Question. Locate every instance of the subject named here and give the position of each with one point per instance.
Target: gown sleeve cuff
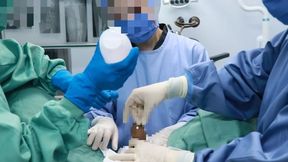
(69, 106)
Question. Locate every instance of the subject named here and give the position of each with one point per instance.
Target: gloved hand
(104, 129)
(161, 138)
(98, 76)
(104, 97)
(142, 100)
(147, 152)
(110, 76)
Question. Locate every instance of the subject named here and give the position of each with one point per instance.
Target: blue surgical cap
(278, 9)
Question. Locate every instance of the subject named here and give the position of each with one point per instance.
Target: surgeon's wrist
(81, 92)
(93, 83)
(177, 87)
(98, 118)
(62, 79)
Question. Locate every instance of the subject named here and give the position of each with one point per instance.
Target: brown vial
(138, 132)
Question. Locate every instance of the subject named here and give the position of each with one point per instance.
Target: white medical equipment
(264, 37)
(178, 3)
(114, 45)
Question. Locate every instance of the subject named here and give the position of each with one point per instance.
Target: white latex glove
(147, 152)
(104, 129)
(142, 100)
(161, 138)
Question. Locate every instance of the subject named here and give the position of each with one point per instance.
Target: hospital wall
(224, 26)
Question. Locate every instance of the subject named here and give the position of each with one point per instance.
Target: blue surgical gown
(254, 84)
(170, 60)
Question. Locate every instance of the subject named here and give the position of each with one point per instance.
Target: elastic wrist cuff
(177, 87)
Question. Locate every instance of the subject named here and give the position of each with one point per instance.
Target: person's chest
(275, 98)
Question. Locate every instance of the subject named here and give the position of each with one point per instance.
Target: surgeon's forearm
(61, 80)
(65, 117)
(63, 125)
(49, 136)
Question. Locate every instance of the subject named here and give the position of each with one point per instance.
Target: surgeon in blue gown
(254, 84)
(162, 55)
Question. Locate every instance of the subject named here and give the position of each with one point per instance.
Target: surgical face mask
(137, 18)
(139, 30)
(278, 9)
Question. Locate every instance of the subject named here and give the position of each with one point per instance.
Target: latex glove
(142, 100)
(98, 76)
(104, 129)
(62, 79)
(110, 76)
(147, 152)
(104, 97)
(161, 138)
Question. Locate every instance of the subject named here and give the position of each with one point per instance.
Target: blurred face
(126, 9)
(135, 17)
(131, 15)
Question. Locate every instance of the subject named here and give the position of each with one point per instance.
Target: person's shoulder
(282, 35)
(184, 40)
(182, 37)
(12, 43)
(280, 39)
